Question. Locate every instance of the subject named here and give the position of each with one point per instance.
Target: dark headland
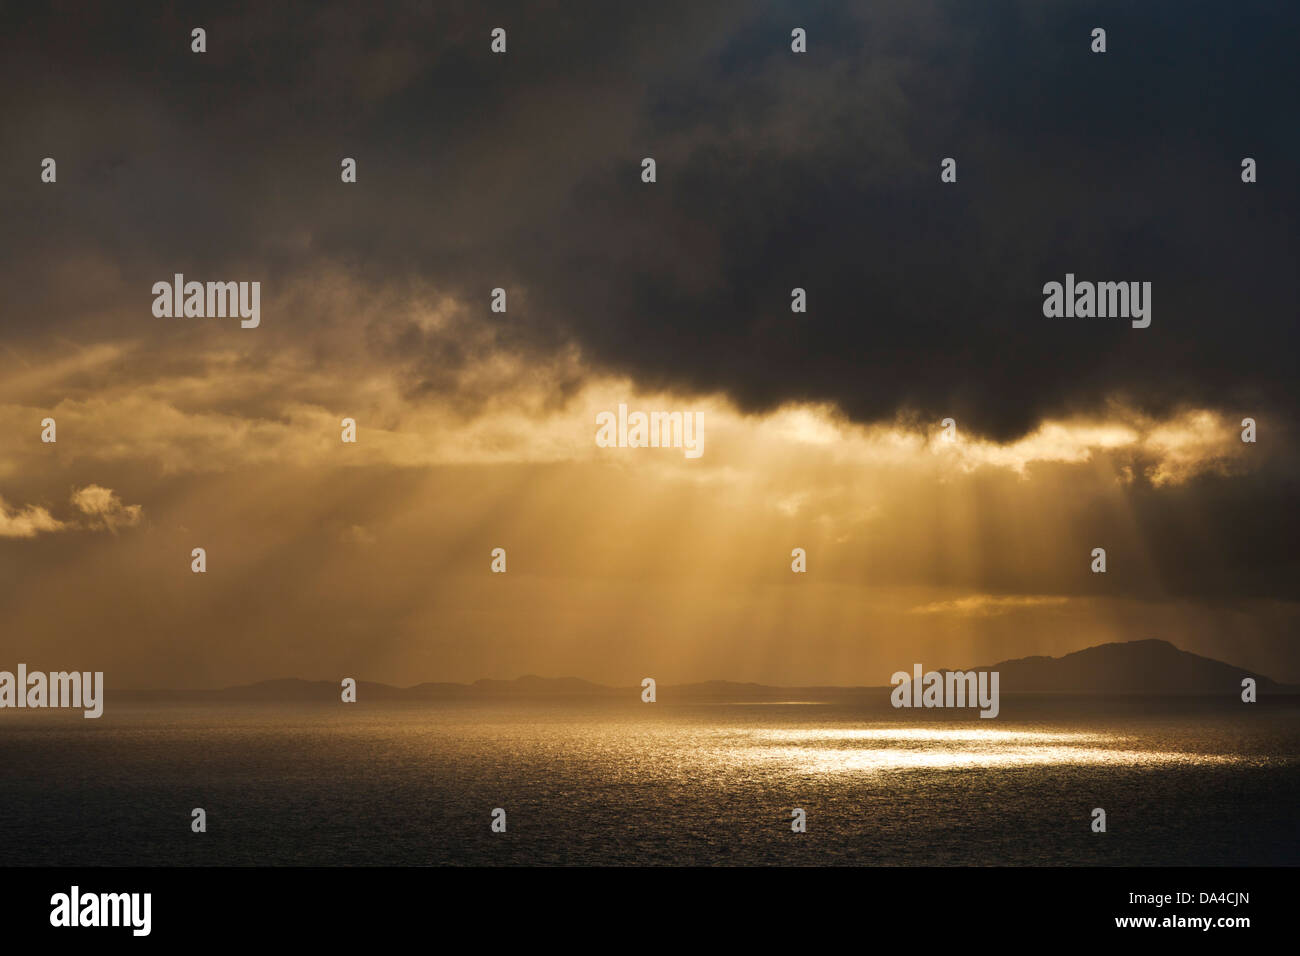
(1149, 667)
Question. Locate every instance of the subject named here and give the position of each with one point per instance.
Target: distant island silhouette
(1145, 667)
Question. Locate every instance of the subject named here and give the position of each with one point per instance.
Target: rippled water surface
(1182, 782)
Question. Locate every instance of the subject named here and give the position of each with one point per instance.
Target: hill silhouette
(1147, 667)
(1132, 667)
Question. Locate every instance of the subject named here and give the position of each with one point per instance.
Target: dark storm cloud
(775, 171)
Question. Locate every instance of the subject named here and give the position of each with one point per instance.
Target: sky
(476, 429)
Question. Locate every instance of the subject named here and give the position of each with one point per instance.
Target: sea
(1181, 781)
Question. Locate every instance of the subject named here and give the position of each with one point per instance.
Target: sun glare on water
(870, 750)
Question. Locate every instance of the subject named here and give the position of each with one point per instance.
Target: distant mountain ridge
(1148, 667)
(291, 689)
(1132, 667)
